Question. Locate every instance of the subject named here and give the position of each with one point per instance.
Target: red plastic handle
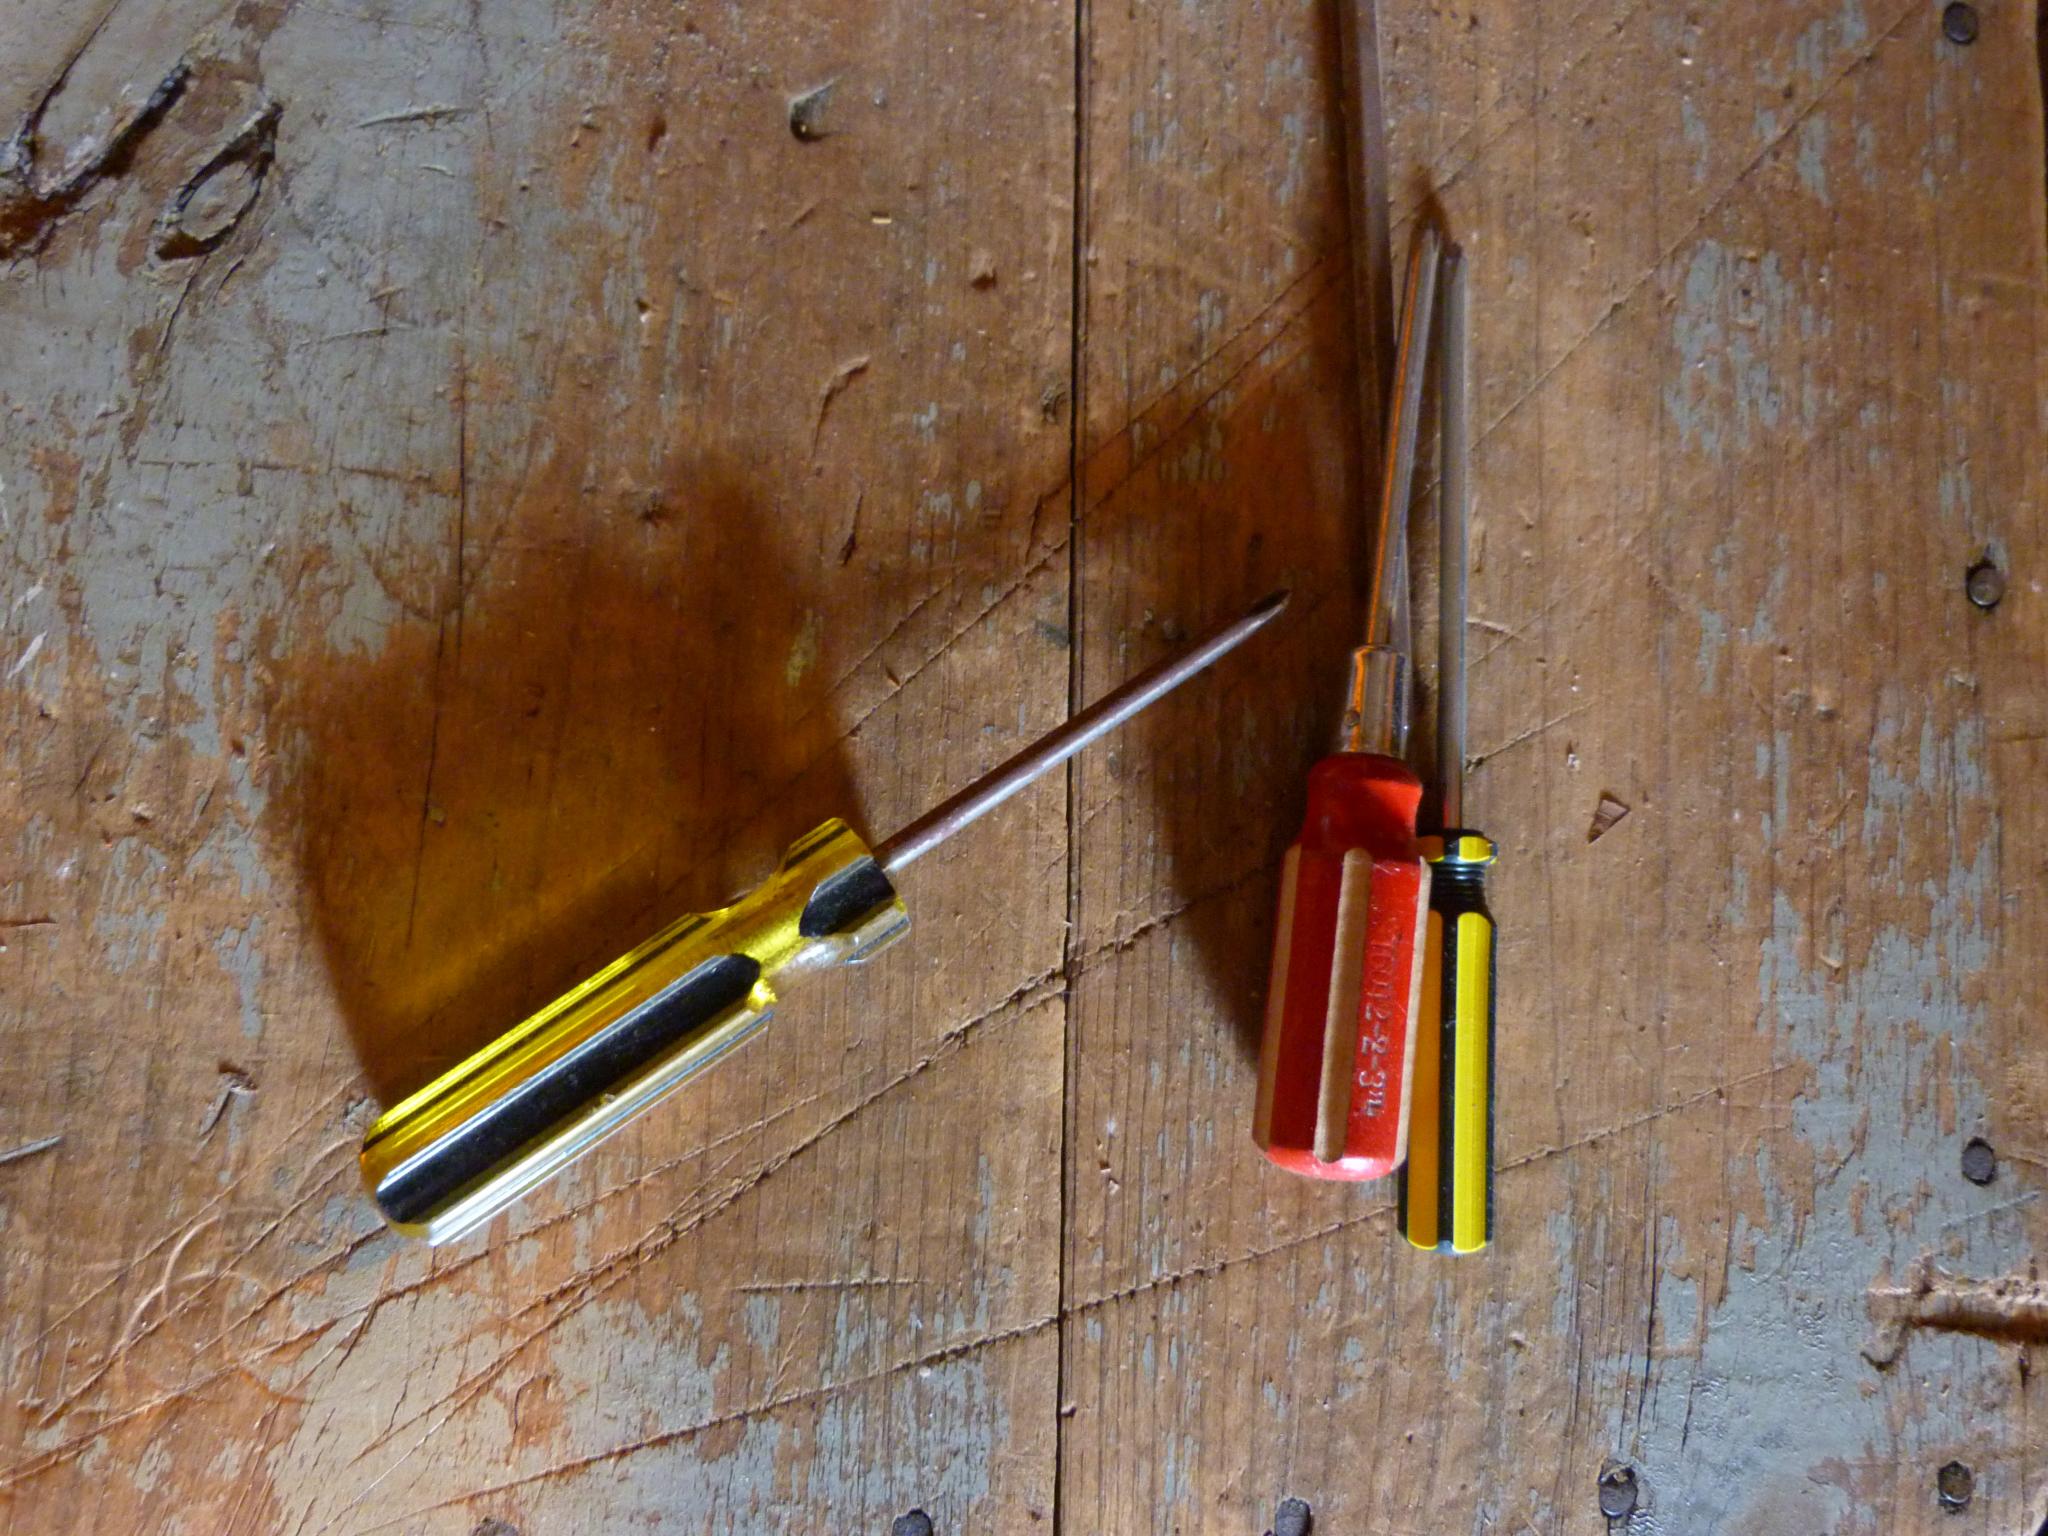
(1340, 1016)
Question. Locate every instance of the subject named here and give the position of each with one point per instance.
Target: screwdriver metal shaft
(1376, 718)
(1454, 512)
(454, 1154)
(1092, 723)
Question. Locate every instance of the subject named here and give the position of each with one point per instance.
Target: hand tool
(1446, 1189)
(485, 1132)
(1340, 1012)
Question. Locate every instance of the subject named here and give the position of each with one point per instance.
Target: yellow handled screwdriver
(451, 1156)
(1446, 1188)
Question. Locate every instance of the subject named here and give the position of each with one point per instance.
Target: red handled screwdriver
(1354, 891)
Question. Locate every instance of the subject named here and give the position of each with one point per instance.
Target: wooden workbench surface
(476, 479)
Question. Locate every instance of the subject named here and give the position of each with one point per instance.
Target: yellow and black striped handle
(1446, 1190)
(485, 1132)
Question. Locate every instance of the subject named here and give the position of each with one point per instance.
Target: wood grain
(1733, 275)
(562, 489)
(474, 481)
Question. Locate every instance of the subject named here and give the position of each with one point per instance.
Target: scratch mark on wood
(21, 663)
(920, 1363)
(419, 862)
(1529, 735)
(853, 526)
(1122, 941)
(1450, 168)
(162, 344)
(606, 1275)
(438, 112)
(1633, 1121)
(848, 1283)
(448, 1274)
(219, 1197)
(1030, 573)
(835, 386)
(1650, 269)
(1274, 323)
(361, 333)
(234, 1084)
(1598, 572)
(133, 1331)
(30, 1148)
(461, 597)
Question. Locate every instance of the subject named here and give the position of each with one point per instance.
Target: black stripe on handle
(435, 1176)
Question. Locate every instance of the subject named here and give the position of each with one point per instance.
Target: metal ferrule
(1376, 705)
(1458, 847)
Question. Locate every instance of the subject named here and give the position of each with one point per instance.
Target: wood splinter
(2012, 1308)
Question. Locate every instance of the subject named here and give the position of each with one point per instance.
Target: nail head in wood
(1980, 1161)
(1618, 1492)
(1954, 1484)
(1985, 584)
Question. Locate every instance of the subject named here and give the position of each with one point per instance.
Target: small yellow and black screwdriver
(1446, 1188)
(454, 1154)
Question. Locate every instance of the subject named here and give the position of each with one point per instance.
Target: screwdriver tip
(1270, 605)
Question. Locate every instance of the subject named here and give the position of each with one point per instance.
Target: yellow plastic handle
(454, 1154)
